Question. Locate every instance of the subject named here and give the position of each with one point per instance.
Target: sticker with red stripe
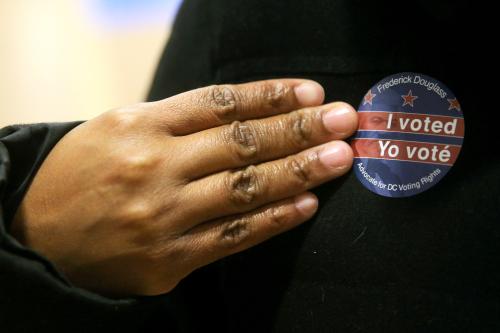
(410, 134)
(411, 123)
(422, 152)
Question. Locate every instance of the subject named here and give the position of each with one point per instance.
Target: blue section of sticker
(411, 130)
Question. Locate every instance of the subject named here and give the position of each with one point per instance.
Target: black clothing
(365, 263)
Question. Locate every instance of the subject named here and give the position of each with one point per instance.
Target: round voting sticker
(411, 129)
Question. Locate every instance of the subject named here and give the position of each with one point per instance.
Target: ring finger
(237, 191)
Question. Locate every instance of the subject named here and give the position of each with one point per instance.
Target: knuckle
(277, 217)
(137, 215)
(139, 211)
(244, 186)
(235, 232)
(124, 118)
(300, 169)
(242, 136)
(301, 127)
(275, 94)
(224, 99)
(133, 168)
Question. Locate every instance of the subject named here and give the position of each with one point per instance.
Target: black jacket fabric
(364, 263)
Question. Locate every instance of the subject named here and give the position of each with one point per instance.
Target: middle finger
(253, 141)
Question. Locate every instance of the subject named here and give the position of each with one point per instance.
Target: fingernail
(306, 203)
(309, 93)
(341, 119)
(336, 155)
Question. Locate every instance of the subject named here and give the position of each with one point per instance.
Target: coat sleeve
(34, 296)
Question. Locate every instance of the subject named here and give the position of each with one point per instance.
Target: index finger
(216, 105)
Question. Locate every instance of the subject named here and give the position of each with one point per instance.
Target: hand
(136, 199)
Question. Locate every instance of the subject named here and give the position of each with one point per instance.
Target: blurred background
(74, 59)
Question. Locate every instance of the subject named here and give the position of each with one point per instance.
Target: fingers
(258, 140)
(216, 105)
(217, 239)
(231, 192)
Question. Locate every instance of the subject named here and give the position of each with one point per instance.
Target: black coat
(366, 263)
